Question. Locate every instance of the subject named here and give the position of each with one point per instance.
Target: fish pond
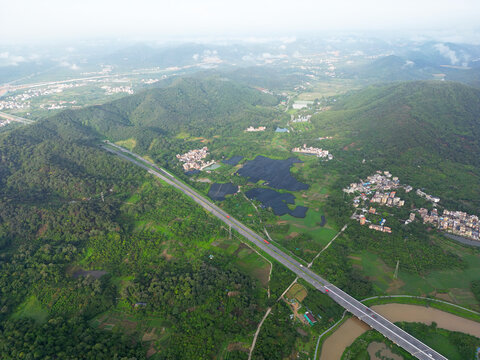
(275, 173)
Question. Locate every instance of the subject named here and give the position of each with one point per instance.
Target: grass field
(129, 143)
(326, 89)
(451, 285)
(31, 308)
(246, 259)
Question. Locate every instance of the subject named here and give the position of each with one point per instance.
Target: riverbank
(334, 346)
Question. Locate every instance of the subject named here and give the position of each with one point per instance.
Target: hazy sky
(33, 20)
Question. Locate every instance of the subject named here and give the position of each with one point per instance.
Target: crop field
(298, 292)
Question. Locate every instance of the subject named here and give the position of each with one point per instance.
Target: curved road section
(364, 313)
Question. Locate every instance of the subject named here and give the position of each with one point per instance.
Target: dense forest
(66, 204)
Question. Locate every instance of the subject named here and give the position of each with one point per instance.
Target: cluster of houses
(22, 100)
(4, 122)
(387, 198)
(381, 181)
(301, 104)
(378, 188)
(301, 118)
(363, 220)
(431, 198)
(193, 160)
(380, 228)
(456, 222)
(318, 152)
(252, 129)
(109, 90)
(381, 185)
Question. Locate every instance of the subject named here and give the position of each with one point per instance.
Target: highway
(373, 319)
(16, 118)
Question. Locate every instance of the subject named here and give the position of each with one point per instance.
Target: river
(345, 335)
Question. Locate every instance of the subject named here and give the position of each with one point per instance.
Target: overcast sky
(34, 20)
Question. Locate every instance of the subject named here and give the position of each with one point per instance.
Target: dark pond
(218, 191)
(277, 201)
(323, 222)
(463, 240)
(234, 160)
(192, 172)
(275, 173)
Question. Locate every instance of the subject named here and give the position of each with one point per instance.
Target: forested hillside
(201, 106)
(68, 207)
(426, 132)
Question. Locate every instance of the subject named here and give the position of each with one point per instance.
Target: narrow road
(326, 246)
(367, 315)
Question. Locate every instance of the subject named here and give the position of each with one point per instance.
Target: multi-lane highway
(16, 118)
(376, 321)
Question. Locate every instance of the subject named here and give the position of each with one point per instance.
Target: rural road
(367, 315)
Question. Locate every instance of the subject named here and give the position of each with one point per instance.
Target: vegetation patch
(33, 309)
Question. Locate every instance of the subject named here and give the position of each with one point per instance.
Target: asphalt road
(16, 118)
(376, 321)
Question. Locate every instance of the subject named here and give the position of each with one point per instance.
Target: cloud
(7, 59)
(408, 63)
(448, 53)
(69, 65)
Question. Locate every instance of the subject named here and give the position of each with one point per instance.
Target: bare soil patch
(151, 350)
(166, 255)
(149, 336)
(292, 235)
(238, 346)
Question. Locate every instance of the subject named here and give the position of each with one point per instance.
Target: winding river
(345, 335)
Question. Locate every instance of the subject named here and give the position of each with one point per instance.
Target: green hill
(66, 204)
(201, 106)
(426, 132)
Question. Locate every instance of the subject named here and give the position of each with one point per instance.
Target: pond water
(234, 160)
(277, 201)
(275, 173)
(219, 191)
(94, 273)
(463, 240)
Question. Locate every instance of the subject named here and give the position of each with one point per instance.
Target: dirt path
(326, 246)
(257, 332)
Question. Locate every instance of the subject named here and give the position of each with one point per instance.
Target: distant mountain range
(428, 61)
